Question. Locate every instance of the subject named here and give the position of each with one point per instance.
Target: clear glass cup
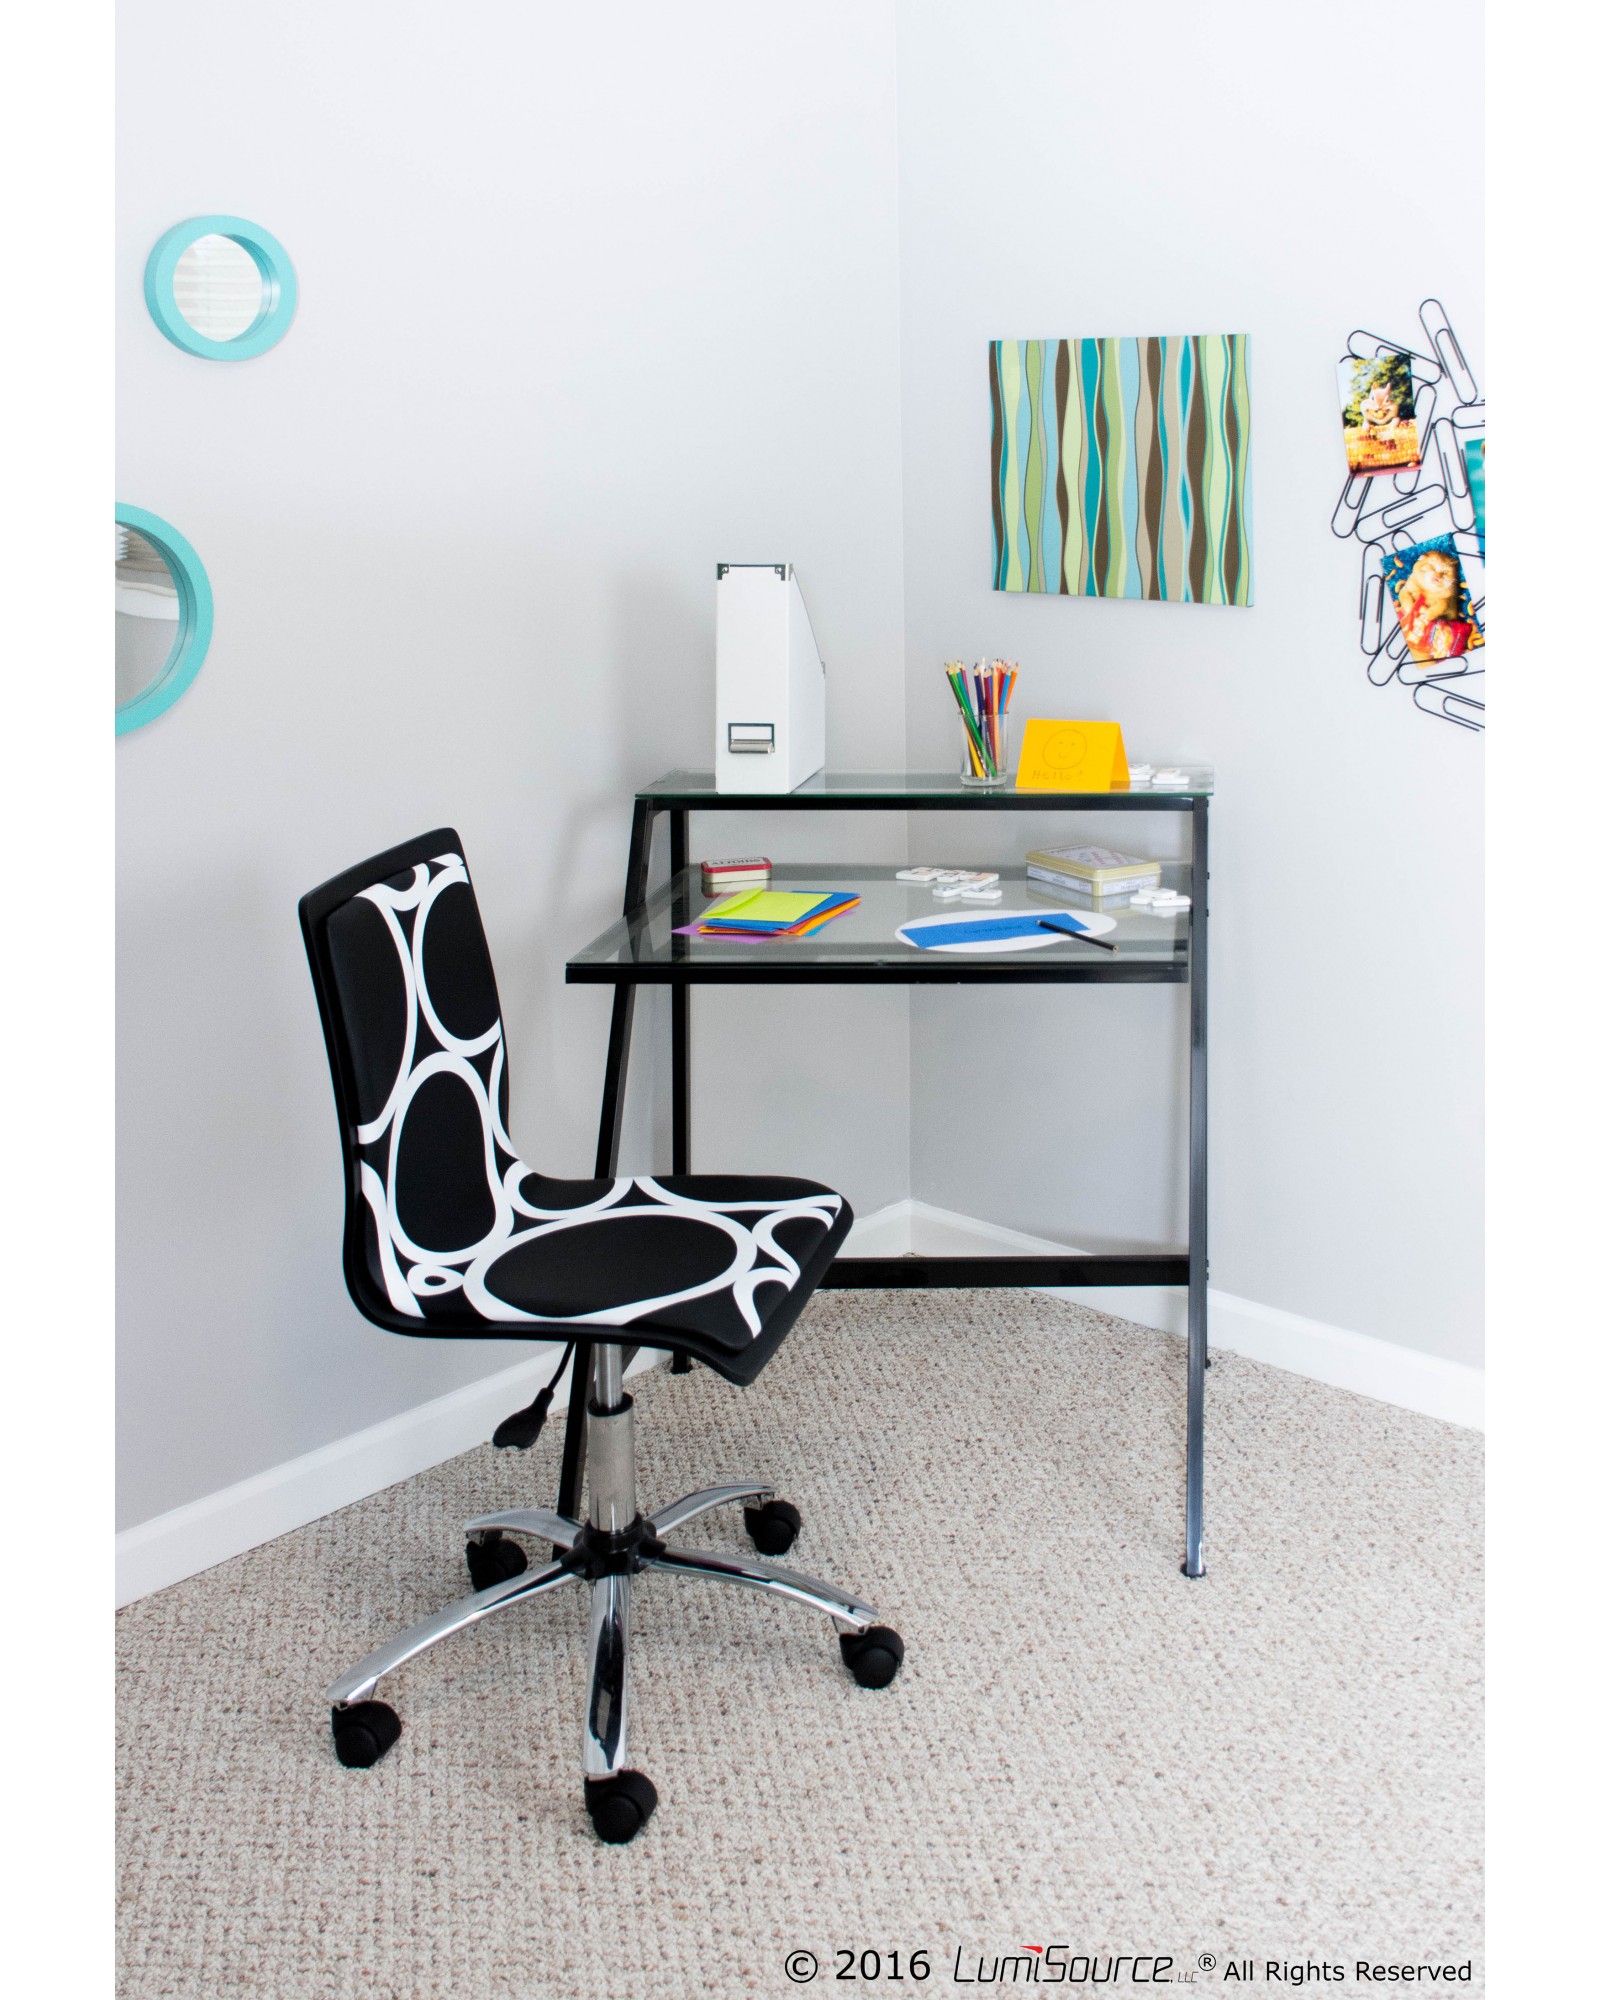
(985, 760)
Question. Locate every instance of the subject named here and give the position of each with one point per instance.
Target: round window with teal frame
(220, 287)
(163, 616)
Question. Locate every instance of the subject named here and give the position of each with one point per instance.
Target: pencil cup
(985, 757)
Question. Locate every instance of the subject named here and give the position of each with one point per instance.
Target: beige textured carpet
(1083, 1748)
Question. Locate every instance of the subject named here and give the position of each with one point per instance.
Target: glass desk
(643, 948)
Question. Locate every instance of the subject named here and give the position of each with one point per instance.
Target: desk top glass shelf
(861, 947)
(908, 790)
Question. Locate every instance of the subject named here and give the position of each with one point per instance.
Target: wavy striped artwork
(1121, 468)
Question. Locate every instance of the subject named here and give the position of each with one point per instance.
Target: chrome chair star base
(607, 1551)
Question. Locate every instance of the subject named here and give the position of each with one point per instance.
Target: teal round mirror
(220, 287)
(163, 616)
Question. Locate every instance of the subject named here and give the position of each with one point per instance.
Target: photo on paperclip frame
(1381, 432)
(1472, 454)
(1431, 601)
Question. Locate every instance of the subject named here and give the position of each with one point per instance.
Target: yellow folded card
(766, 906)
(1071, 757)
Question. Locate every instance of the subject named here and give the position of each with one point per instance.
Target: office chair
(449, 1235)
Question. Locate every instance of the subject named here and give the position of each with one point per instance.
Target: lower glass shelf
(860, 948)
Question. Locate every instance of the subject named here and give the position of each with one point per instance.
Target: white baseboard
(208, 1531)
(1381, 1368)
(887, 1232)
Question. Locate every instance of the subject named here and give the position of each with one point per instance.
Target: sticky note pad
(765, 909)
(1071, 757)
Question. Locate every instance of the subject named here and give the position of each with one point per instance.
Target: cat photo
(1431, 601)
(1380, 414)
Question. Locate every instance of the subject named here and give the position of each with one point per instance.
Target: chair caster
(772, 1526)
(620, 1805)
(363, 1732)
(873, 1656)
(494, 1559)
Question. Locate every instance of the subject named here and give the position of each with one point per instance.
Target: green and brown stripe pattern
(1121, 468)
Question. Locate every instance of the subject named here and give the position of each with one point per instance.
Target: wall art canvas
(1121, 468)
(1381, 432)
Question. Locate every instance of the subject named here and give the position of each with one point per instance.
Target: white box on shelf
(770, 681)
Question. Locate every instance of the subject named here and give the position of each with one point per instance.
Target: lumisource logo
(1059, 1965)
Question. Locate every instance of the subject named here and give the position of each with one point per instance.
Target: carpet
(1083, 1750)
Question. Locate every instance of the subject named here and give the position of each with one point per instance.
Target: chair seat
(714, 1266)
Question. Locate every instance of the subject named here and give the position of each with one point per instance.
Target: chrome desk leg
(665, 1519)
(540, 1521)
(364, 1677)
(605, 1727)
(851, 1613)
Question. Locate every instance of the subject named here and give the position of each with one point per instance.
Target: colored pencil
(958, 686)
(982, 700)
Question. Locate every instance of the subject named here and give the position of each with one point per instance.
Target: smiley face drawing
(1064, 749)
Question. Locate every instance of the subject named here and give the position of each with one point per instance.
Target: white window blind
(145, 588)
(217, 286)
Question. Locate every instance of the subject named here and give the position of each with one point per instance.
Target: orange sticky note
(1071, 757)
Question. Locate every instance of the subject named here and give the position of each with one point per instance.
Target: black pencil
(1083, 937)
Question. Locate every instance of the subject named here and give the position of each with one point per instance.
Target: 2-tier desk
(643, 949)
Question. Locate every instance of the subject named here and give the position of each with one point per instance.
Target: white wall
(589, 300)
(1074, 170)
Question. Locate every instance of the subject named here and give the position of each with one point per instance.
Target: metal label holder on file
(751, 739)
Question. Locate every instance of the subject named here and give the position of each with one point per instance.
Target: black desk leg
(678, 847)
(574, 1450)
(1194, 1562)
(679, 834)
(616, 1083)
(680, 1079)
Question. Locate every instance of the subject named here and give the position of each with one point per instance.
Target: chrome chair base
(610, 1551)
(849, 1613)
(579, 1551)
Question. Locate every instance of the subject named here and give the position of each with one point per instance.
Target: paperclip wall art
(1121, 468)
(1421, 527)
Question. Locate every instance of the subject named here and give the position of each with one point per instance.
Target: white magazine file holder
(770, 681)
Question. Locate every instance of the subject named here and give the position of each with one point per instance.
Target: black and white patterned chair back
(447, 1230)
(421, 1018)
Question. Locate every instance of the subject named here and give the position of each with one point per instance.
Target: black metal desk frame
(904, 967)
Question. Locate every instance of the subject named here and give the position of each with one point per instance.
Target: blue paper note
(966, 930)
